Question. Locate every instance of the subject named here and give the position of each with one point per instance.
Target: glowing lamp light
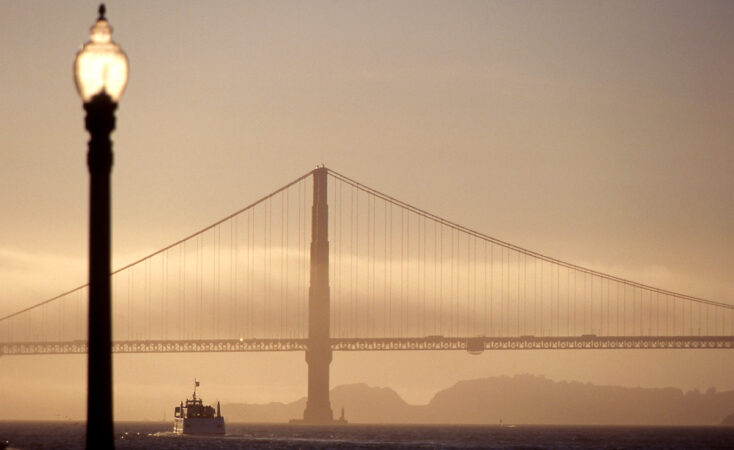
(100, 65)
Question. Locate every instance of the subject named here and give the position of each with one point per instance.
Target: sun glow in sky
(595, 132)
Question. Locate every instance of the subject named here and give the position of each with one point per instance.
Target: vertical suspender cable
(283, 305)
(385, 321)
(485, 299)
(436, 312)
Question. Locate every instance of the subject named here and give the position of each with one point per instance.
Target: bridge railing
(473, 345)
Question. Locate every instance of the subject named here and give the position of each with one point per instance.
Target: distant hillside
(728, 421)
(536, 400)
(258, 413)
(362, 404)
(366, 404)
(522, 399)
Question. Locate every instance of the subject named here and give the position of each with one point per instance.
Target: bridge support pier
(318, 406)
(318, 356)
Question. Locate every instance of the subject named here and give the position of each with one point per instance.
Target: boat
(193, 417)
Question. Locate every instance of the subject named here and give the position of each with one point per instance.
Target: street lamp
(100, 74)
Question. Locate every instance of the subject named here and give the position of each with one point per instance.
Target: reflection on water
(142, 435)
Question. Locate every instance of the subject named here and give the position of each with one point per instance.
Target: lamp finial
(102, 11)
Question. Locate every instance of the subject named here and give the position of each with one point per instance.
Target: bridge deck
(471, 344)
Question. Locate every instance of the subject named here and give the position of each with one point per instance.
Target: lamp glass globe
(100, 65)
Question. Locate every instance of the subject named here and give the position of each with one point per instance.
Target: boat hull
(199, 425)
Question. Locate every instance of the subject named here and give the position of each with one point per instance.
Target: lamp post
(100, 74)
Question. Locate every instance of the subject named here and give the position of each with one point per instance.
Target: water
(157, 435)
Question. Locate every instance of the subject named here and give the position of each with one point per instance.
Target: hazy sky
(599, 133)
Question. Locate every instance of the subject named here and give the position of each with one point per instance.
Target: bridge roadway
(470, 344)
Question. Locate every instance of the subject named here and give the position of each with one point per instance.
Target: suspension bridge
(326, 264)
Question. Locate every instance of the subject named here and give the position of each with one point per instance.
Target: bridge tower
(318, 354)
